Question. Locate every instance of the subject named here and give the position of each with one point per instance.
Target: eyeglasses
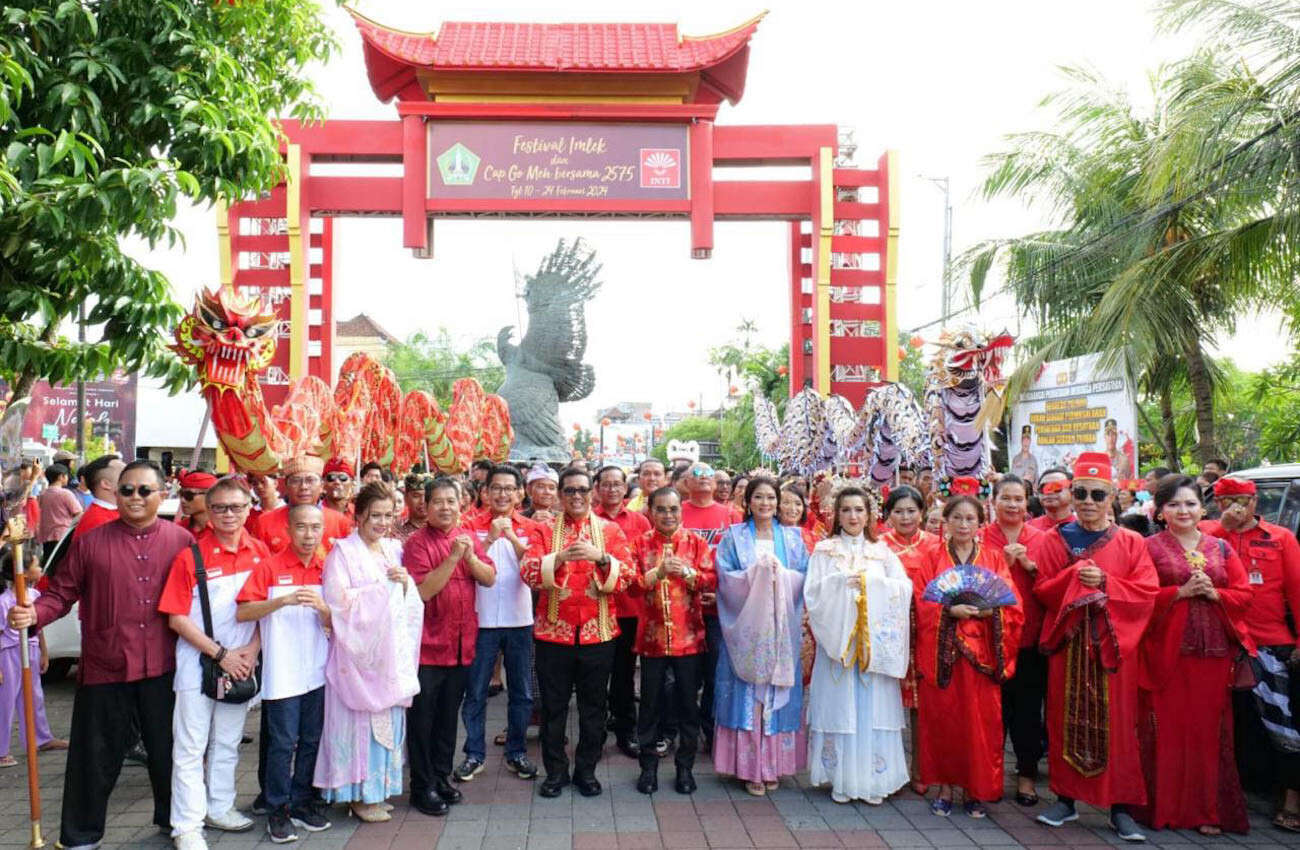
(1083, 493)
(302, 480)
(1225, 502)
(611, 485)
(576, 491)
(1048, 487)
(502, 488)
(336, 477)
(191, 494)
(144, 490)
(231, 508)
(702, 472)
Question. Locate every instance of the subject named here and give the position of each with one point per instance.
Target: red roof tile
(555, 47)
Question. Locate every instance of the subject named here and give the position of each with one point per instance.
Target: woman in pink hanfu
(370, 676)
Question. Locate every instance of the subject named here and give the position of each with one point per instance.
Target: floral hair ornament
(841, 483)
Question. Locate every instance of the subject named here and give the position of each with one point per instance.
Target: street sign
(49, 431)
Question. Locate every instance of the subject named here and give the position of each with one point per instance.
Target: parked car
(63, 636)
(1279, 493)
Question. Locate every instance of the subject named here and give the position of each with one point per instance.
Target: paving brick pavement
(500, 812)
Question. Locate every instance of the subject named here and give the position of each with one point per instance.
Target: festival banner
(110, 407)
(1074, 406)
(556, 161)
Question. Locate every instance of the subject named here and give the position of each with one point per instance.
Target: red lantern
(647, 416)
(783, 370)
(916, 342)
(604, 423)
(902, 353)
(733, 390)
(577, 427)
(691, 405)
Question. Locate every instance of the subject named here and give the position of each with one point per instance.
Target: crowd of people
(780, 624)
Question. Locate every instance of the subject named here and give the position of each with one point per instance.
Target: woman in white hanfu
(858, 597)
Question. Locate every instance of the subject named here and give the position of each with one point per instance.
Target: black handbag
(217, 684)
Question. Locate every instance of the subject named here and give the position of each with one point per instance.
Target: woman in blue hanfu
(758, 696)
(858, 597)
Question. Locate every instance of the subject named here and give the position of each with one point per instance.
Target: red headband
(1234, 487)
(197, 480)
(338, 465)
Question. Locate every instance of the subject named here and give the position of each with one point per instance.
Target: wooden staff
(14, 533)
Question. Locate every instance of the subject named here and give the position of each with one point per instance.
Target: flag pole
(14, 533)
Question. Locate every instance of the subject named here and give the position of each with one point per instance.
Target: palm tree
(1145, 266)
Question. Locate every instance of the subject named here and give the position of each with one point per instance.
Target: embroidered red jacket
(672, 622)
(575, 599)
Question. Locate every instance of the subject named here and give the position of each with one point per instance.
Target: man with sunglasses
(1271, 557)
(611, 489)
(1098, 587)
(128, 652)
(337, 491)
(1054, 496)
(578, 564)
(194, 505)
(302, 486)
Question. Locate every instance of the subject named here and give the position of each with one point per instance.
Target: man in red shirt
(707, 518)
(204, 727)
(128, 652)
(674, 568)
(611, 490)
(302, 483)
(1271, 557)
(194, 502)
(101, 476)
(284, 594)
(578, 566)
(447, 563)
(1054, 496)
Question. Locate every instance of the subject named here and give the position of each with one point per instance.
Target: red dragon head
(229, 335)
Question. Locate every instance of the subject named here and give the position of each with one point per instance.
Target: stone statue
(546, 368)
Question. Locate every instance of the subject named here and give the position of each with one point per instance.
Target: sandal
(1209, 829)
(1290, 821)
(758, 789)
(369, 813)
(772, 786)
(53, 744)
(941, 807)
(8, 761)
(975, 809)
(1026, 799)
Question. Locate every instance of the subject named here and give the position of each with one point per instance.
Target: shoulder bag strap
(201, 579)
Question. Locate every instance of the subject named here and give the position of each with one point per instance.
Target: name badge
(1256, 577)
(285, 579)
(215, 572)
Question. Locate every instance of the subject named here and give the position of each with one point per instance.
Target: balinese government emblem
(458, 166)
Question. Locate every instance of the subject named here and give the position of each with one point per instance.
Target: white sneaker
(191, 841)
(231, 821)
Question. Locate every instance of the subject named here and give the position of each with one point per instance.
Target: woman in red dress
(1195, 641)
(963, 655)
(903, 512)
(1023, 695)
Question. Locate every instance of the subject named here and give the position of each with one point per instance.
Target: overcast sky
(939, 81)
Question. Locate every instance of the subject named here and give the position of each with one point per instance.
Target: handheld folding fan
(968, 584)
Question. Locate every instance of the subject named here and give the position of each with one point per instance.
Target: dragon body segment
(229, 338)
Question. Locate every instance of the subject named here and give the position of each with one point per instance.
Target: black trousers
(101, 732)
(713, 636)
(654, 675)
(1264, 768)
(431, 724)
(1022, 710)
(622, 690)
(562, 670)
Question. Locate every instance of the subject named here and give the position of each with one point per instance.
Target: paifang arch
(577, 120)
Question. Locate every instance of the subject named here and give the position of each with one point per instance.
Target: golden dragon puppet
(230, 338)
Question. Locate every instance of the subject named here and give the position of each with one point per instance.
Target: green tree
(433, 363)
(751, 368)
(911, 366)
(111, 113)
(1138, 267)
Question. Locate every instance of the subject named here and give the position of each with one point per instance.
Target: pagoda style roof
(394, 57)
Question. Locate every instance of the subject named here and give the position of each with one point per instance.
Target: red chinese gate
(577, 120)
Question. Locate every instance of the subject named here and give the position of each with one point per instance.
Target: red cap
(198, 480)
(1092, 465)
(1234, 487)
(338, 464)
(964, 485)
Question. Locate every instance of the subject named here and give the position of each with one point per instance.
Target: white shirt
(508, 603)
